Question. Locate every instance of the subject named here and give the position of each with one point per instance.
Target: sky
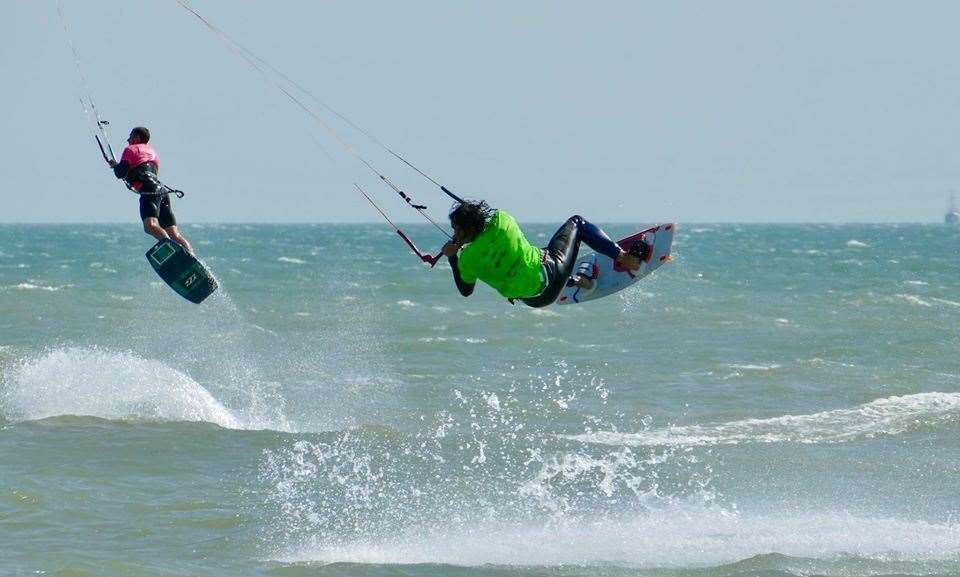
(622, 111)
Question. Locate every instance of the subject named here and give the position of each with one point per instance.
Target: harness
(145, 175)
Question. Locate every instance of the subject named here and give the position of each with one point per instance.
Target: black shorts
(157, 207)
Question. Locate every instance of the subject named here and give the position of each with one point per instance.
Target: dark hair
(142, 133)
(471, 216)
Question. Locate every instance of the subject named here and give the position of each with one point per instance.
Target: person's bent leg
(149, 214)
(169, 223)
(562, 253)
(152, 227)
(174, 233)
(594, 237)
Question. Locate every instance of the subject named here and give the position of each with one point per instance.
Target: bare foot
(628, 261)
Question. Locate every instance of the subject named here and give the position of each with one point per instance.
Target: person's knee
(151, 228)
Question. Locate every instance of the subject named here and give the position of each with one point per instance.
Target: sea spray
(483, 466)
(106, 384)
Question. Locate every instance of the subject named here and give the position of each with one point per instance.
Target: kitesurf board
(611, 277)
(181, 270)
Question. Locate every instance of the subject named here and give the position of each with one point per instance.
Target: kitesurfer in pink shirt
(138, 168)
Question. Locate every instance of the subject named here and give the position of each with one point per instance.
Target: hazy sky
(621, 111)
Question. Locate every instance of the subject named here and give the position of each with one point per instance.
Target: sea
(780, 400)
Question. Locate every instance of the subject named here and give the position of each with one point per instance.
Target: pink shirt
(136, 154)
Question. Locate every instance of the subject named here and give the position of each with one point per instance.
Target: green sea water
(780, 400)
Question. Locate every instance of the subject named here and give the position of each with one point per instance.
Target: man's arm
(465, 288)
(450, 250)
(121, 169)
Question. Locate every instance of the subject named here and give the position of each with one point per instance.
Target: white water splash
(105, 384)
(673, 537)
(889, 416)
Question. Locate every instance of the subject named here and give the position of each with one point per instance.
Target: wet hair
(142, 133)
(471, 216)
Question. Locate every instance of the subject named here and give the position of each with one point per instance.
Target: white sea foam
(674, 537)
(291, 260)
(30, 286)
(945, 302)
(888, 416)
(469, 340)
(757, 367)
(854, 243)
(544, 312)
(406, 303)
(913, 299)
(106, 384)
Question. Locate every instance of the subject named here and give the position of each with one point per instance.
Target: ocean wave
(888, 416)
(291, 260)
(106, 384)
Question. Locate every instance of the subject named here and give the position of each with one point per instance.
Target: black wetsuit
(560, 255)
(154, 195)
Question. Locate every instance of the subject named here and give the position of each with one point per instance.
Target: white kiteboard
(609, 277)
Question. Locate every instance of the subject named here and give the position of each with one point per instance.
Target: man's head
(469, 218)
(139, 135)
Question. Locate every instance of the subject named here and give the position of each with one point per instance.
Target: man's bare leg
(174, 233)
(151, 226)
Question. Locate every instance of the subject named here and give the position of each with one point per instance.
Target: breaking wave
(106, 384)
(888, 416)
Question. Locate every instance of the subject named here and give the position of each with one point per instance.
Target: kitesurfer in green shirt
(488, 245)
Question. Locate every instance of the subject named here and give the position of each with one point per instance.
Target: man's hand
(450, 249)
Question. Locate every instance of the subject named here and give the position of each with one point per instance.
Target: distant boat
(953, 215)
